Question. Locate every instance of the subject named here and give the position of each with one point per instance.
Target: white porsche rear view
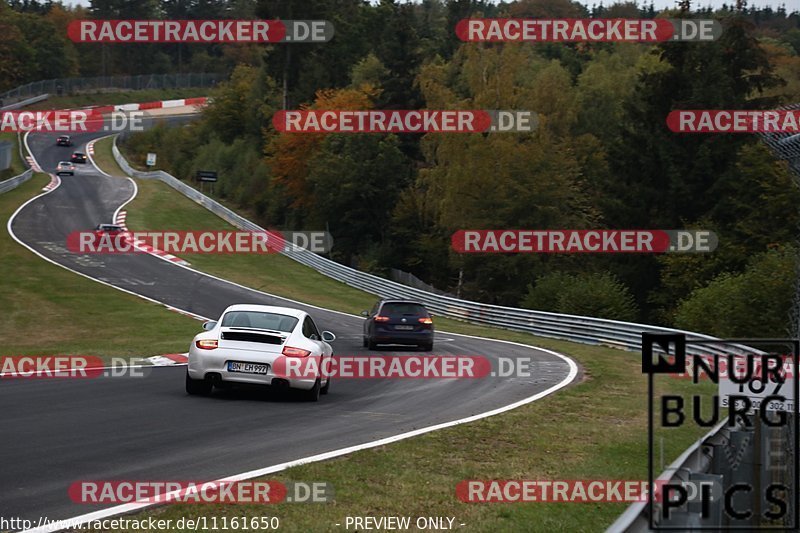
(243, 345)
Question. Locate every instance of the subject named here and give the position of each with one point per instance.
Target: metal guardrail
(6, 154)
(133, 83)
(635, 519)
(23, 103)
(752, 454)
(16, 181)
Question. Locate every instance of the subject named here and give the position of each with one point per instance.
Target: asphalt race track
(59, 431)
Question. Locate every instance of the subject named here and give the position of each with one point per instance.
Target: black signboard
(206, 175)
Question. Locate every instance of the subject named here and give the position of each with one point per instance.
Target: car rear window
(402, 308)
(259, 320)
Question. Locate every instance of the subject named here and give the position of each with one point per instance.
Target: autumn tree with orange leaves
(288, 154)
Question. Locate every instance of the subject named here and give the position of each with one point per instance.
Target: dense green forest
(602, 156)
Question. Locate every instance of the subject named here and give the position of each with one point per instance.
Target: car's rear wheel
(327, 387)
(312, 395)
(371, 344)
(427, 347)
(197, 387)
(364, 342)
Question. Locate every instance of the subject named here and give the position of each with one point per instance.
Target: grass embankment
(104, 157)
(49, 310)
(593, 430)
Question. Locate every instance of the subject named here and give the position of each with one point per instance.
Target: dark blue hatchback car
(398, 322)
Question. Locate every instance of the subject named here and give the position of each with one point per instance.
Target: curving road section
(149, 429)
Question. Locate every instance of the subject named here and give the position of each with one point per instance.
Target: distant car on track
(243, 345)
(78, 157)
(111, 229)
(398, 322)
(64, 140)
(65, 167)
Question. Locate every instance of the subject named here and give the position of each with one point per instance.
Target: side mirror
(364, 313)
(327, 336)
(208, 326)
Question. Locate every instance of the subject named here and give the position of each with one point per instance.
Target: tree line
(601, 157)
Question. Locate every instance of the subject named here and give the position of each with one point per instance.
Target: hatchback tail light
(426, 320)
(380, 318)
(288, 351)
(207, 344)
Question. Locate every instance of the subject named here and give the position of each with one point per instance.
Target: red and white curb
(55, 181)
(121, 216)
(169, 359)
(143, 106)
(140, 245)
(187, 313)
(32, 164)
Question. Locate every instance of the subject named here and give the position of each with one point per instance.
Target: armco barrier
(16, 181)
(27, 102)
(587, 330)
(134, 83)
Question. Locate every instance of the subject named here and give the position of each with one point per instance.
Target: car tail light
(207, 344)
(426, 320)
(288, 351)
(380, 318)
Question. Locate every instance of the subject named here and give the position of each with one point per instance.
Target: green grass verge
(17, 167)
(49, 310)
(104, 157)
(118, 97)
(593, 430)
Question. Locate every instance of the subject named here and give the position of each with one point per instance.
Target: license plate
(247, 368)
(404, 327)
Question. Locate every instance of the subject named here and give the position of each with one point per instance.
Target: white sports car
(243, 345)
